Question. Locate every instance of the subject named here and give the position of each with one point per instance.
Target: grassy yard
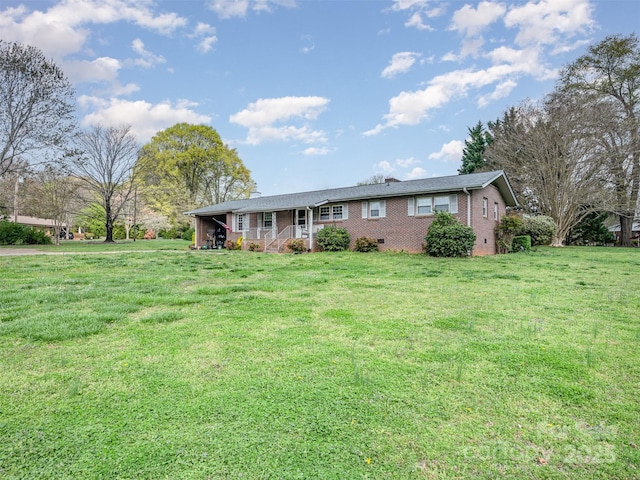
(180, 365)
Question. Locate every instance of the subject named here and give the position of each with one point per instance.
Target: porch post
(310, 228)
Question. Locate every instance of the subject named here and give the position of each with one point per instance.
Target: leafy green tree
(474, 148)
(188, 166)
(608, 78)
(36, 106)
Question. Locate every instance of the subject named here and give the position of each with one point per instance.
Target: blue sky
(315, 94)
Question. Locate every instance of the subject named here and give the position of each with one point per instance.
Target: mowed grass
(209, 365)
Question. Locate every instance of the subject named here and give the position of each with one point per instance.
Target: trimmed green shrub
(521, 243)
(540, 228)
(447, 237)
(296, 245)
(254, 247)
(33, 236)
(366, 244)
(188, 234)
(509, 226)
(16, 234)
(333, 239)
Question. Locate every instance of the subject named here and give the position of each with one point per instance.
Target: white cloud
(262, 116)
(312, 151)
(406, 162)
(415, 21)
(102, 69)
(308, 46)
(449, 152)
(206, 34)
(410, 108)
(146, 119)
(386, 167)
(146, 59)
(400, 5)
(240, 8)
(418, 9)
(471, 22)
(400, 63)
(417, 172)
(59, 31)
(548, 22)
(502, 90)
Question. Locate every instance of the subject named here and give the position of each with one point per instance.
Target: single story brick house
(395, 213)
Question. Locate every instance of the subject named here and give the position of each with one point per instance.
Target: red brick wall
(399, 231)
(485, 227)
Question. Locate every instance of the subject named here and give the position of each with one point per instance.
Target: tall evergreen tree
(473, 153)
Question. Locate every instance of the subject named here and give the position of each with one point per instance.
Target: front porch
(260, 231)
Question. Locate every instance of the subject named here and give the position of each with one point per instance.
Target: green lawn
(215, 365)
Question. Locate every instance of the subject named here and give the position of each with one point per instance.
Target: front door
(301, 222)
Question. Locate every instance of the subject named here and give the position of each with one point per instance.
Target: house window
(423, 205)
(241, 221)
(442, 204)
(495, 211)
(485, 207)
(327, 213)
(267, 220)
(377, 209)
(374, 209)
(302, 217)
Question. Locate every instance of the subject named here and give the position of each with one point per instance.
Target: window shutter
(411, 207)
(365, 209)
(383, 208)
(274, 226)
(259, 219)
(453, 203)
(246, 221)
(345, 211)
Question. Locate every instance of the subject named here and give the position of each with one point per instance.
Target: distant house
(635, 230)
(395, 213)
(45, 224)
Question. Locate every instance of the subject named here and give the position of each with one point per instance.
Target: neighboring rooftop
(453, 183)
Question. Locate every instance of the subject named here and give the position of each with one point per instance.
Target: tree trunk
(626, 226)
(109, 225)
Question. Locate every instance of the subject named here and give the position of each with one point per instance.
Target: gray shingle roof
(453, 183)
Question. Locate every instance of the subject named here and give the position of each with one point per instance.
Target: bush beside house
(447, 237)
(333, 239)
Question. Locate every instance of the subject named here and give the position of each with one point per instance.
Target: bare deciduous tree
(53, 195)
(545, 151)
(608, 76)
(105, 163)
(36, 106)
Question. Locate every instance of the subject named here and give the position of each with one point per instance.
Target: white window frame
(495, 211)
(331, 215)
(485, 207)
(374, 208)
(267, 217)
(428, 205)
(242, 222)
